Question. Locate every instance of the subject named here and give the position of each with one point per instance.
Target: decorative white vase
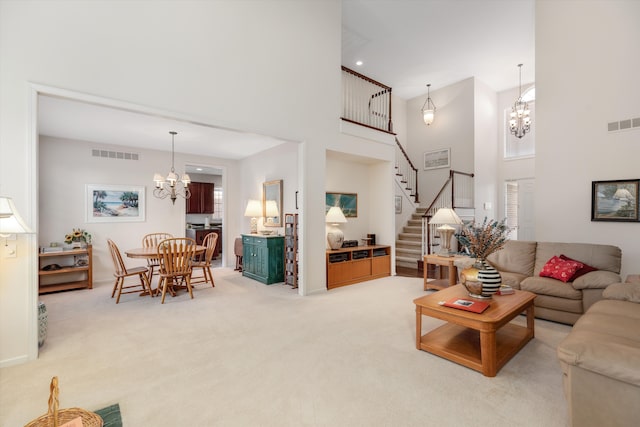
(490, 278)
(335, 237)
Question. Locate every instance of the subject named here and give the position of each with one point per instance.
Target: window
(218, 203)
(511, 207)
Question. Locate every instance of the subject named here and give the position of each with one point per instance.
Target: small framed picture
(614, 200)
(437, 159)
(398, 204)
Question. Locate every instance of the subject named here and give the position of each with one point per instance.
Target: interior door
(519, 207)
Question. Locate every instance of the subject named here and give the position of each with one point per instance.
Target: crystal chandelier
(171, 186)
(520, 122)
(428, 109)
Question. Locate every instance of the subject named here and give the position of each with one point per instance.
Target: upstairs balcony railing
(365, 101)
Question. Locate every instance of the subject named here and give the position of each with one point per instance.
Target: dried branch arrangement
(485, 239)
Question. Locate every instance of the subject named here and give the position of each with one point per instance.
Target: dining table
(152, 252)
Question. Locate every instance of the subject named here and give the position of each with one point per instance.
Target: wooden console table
(347, 266)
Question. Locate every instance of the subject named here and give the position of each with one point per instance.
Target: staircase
(409, 242)
(415, 241)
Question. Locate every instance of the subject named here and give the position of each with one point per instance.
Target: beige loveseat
(520, 263)
(600, 360)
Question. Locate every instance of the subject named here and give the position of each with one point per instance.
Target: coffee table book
(467, 305)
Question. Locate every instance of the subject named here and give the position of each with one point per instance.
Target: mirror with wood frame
(272, 203)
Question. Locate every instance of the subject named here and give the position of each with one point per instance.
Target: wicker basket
(55, 417)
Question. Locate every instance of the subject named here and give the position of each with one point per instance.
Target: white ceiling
(404, 44)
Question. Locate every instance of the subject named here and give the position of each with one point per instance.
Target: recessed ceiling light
(199, 169)
(358, 63)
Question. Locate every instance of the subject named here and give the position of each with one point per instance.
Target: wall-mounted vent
(107, 154)
(625, 124)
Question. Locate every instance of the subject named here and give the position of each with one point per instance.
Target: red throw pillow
(581, 272)
(560, 269)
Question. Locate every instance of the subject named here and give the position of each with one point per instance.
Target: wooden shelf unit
(62, 258)
(347, 266)
(291, 249)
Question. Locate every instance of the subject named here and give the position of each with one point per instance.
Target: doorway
(210, 179)
(519, 208)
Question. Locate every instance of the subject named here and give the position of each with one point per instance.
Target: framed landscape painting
(437, 159)
(348, 202)
(114, 203)
(614, 200)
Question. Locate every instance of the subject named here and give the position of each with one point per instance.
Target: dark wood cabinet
(201, 200)
(199, 234)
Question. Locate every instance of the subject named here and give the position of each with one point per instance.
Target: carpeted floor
(247, 354)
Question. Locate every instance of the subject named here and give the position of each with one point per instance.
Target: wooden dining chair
(176, 259)
(204, 263)
(151, 241)
(122, 272)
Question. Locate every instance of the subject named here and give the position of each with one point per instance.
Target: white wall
(485, 149)
(215, 62)
(67, 166)
(453, 128)
(586, 75)
(512, 169)
(278, 163)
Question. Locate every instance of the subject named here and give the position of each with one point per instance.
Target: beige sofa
(600, 360)
(520, 263)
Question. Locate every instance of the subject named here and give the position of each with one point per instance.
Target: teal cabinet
(263, 258)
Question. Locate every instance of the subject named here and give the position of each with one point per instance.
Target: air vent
(119, 155)
(625, 124)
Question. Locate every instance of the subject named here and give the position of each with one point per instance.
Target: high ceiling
(404, 44)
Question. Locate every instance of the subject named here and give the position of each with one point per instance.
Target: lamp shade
(335, 216)
(10, 220)
(445, 216)
(428, 116)
(271, 208)
(254, 208)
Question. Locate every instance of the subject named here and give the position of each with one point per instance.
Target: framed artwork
(437, 159)
(398, 204)
(348, 202)
(114, 203)
(614, 200)
(272, 203)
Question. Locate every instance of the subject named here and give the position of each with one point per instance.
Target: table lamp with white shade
(335, 236)
(445, 217)
(10, 223)
(254, 210)
(270, 211)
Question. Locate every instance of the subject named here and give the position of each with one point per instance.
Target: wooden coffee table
(484, 342)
